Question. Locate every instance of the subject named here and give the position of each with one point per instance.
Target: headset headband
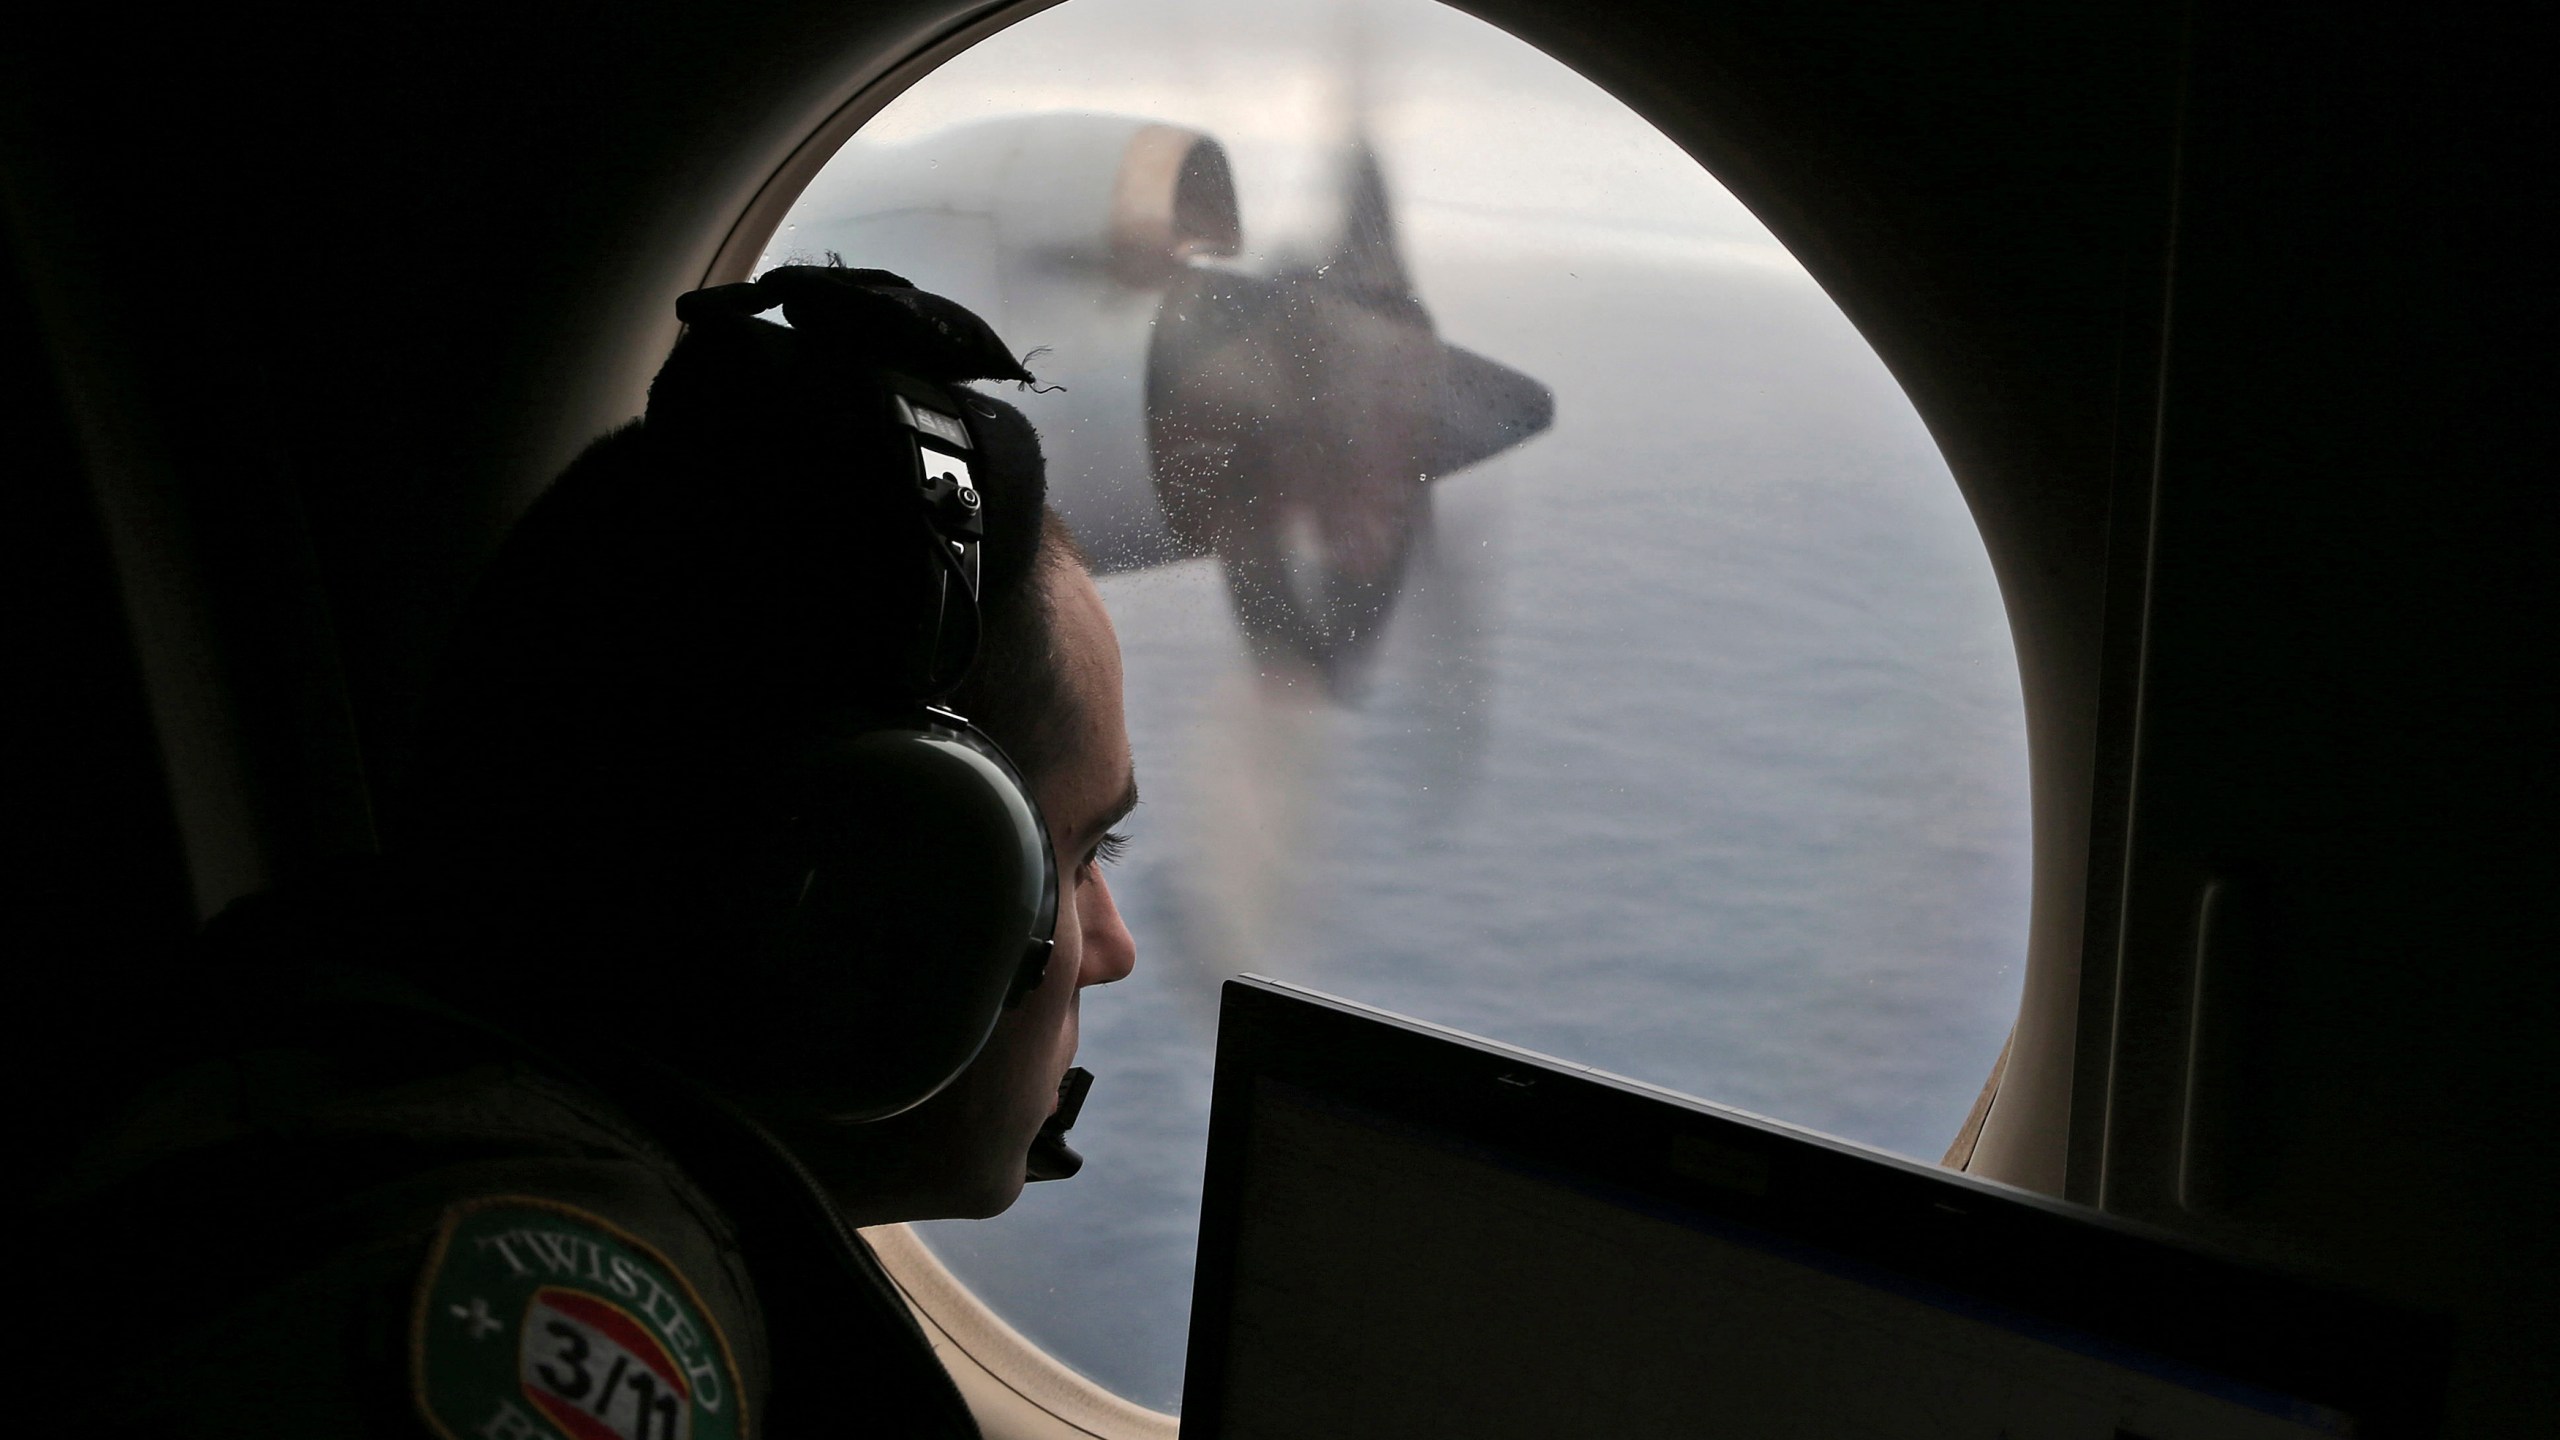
(918, 343)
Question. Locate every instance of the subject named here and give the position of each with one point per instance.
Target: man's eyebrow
(1119, 810)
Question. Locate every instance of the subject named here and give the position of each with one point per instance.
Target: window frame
(2018, 1130)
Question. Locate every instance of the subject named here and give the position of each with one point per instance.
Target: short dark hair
(1017, 690)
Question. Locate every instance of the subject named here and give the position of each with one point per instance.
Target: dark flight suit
(345, 1209)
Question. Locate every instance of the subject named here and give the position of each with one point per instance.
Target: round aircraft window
(1543, 614)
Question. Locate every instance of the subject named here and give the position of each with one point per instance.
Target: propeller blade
(1365, 256)
(1485, 408)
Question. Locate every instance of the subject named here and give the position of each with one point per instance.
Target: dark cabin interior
(2223, 315)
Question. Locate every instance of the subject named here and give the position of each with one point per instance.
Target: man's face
(962, 1152)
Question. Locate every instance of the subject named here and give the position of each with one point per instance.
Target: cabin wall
(333, 291)
(98, 866)
(2331, 1041)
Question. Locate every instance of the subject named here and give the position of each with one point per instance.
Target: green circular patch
(539, 1321)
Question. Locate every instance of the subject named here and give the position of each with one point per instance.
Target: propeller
(1299, 420)
(1297, 423)
(1300, 423)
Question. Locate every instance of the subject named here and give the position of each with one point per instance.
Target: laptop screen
(1413, 1232)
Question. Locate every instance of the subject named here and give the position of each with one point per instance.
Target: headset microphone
(1051, 1158)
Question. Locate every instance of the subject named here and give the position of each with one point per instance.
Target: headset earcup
(916, 872)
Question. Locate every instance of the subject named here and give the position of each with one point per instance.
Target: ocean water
(1694, 752)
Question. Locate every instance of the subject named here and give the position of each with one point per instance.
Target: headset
(923, 863)
(917, 891)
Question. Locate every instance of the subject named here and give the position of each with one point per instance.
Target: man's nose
(1110, 951)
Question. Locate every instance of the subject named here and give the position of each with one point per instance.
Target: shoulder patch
(539, 1321)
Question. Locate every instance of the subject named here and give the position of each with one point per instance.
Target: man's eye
(1107, 850)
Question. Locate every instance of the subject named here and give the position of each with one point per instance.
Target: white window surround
(1015, 1388)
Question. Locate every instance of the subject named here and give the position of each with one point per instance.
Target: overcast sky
(1482, 133)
